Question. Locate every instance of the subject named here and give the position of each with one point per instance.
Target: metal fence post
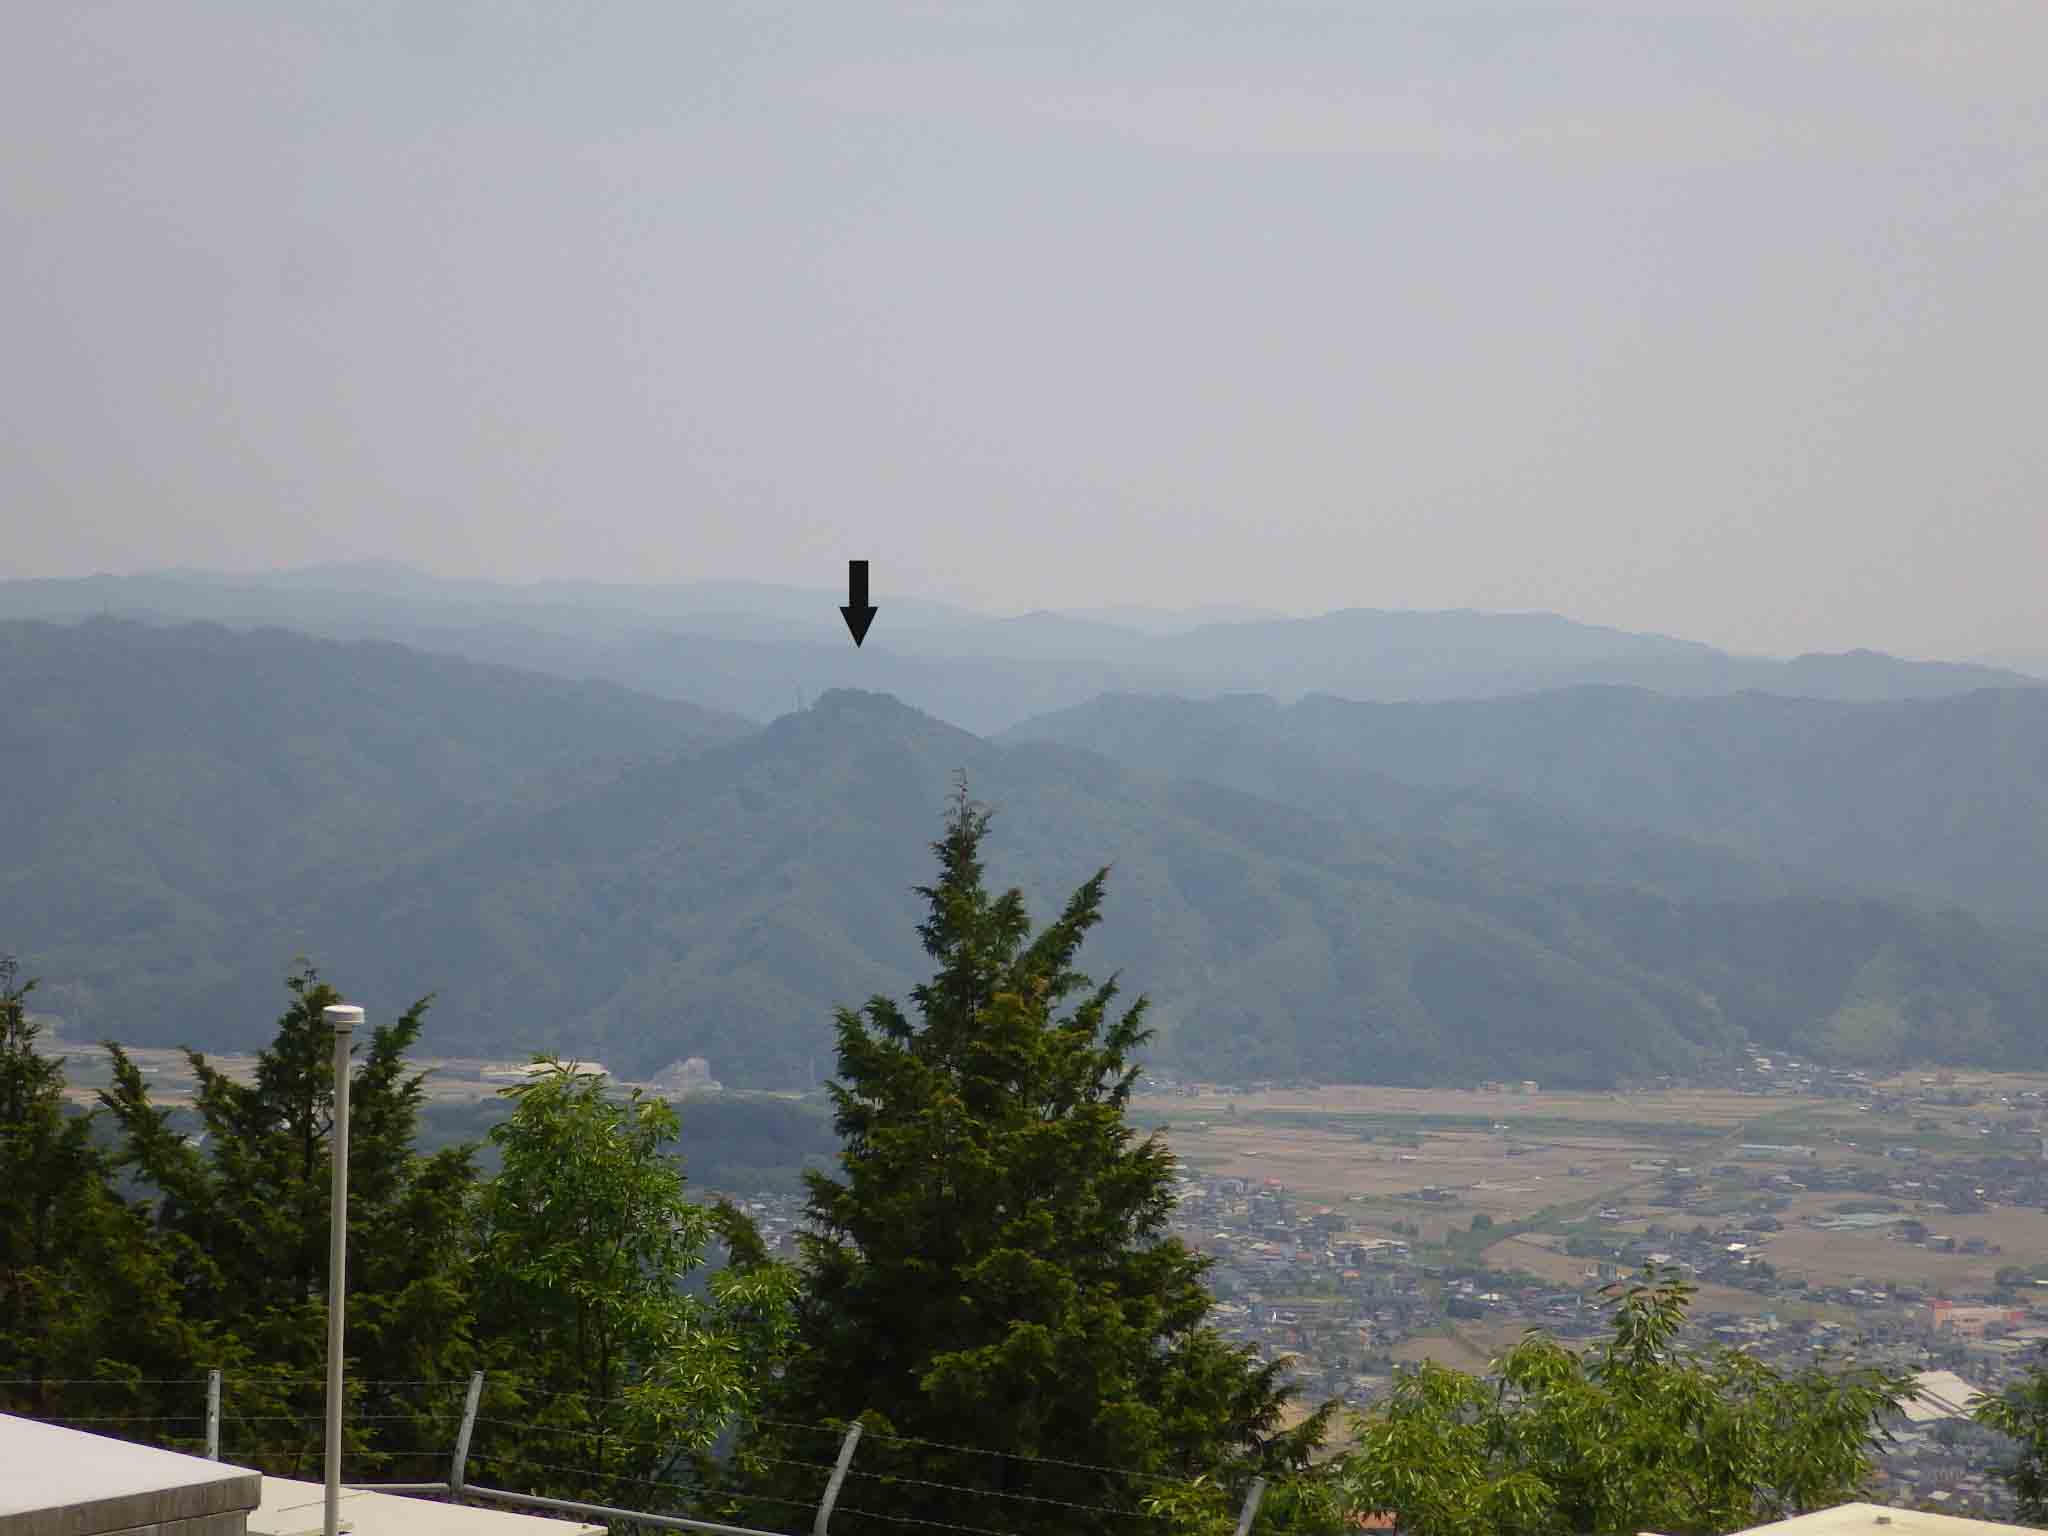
(838, 1476)
(459, 1464)
(213, 1415)
(1252, 1495)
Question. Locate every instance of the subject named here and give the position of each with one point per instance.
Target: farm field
(1375, 1149)
(1548, 1158)
(1375, 1153)
(1844, 1258)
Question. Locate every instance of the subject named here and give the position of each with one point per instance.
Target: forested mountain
(722, 903)
(571, 866)
(759, 650)
(719, 903)
(1946, 799)
(172, 795)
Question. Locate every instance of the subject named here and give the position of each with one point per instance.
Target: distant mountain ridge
(2028, 663)
(576, 867)
(757, 650)
(1944, 798)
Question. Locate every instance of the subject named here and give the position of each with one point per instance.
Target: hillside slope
(1945, 799)
(172, 793)
(571, 866)
(721, 905)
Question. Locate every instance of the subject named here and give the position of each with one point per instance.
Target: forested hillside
(573, 867)
(1945, 799)
(176, 798)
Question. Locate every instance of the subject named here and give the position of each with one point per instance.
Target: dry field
(1707, 1106)
(1560, 1154)
(1845, 1258)
(1540, 1256)
(1835, 1258)
(1841, 1258)
(1308, 1142)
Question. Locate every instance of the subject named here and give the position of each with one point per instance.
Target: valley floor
(1899, 1221)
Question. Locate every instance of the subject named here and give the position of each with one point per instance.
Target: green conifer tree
(47, 1168)
(993, 1270)
(85, 1295)
(241, 1216)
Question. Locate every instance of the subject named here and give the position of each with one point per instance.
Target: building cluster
(1294, 1277)
(1297, 1278)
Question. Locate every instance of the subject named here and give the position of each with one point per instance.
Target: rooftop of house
(1878, 1520)
(1940, 1395)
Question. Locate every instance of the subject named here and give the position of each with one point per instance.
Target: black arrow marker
(858, 614)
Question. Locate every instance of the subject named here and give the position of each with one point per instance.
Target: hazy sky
(1725, 319)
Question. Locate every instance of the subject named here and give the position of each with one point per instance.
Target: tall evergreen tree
(241, 1212)
(993, 1271)
(85, 1294)
(47, 1167)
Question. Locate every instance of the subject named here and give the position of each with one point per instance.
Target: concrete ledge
(63, 1482)
(294, 1508)
(201, 1525)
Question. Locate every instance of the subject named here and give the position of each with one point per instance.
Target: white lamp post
(342, 1018)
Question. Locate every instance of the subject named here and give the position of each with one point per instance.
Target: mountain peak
(865, 702)
(847, 714)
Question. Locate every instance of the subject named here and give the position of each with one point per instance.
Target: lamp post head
(342, 1018)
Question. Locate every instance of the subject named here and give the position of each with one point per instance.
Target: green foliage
(584, 1241)
(563, 1274)
(82, 1283)
(47, 1169)
(993, 1270)
(1637, 1435)
(238, 1217)
(243, 1211)
(2021, 1412)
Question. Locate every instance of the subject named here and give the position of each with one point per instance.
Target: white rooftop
(1878, 1520)
(1939, 1395)
(294, 1508)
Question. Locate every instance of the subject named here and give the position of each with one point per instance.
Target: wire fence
(500, 1441)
